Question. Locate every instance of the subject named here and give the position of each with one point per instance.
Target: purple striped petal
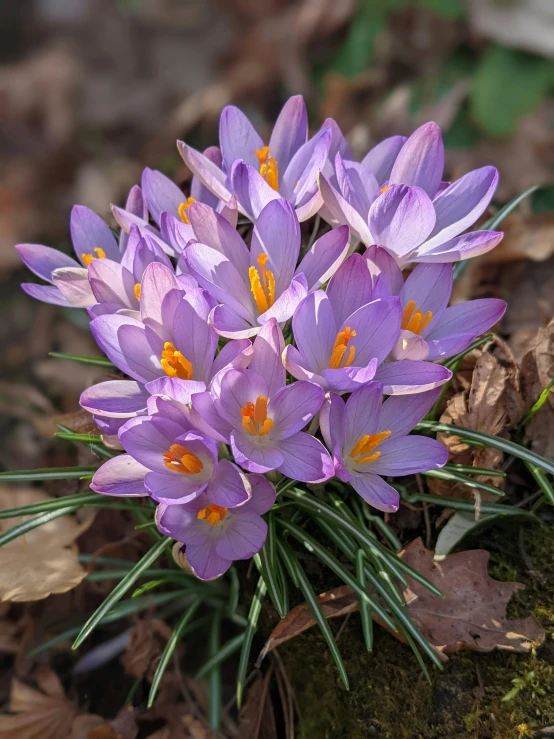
(324, 258)
(361, 414)
(74, 285)
(289, 133)
(161, 194)
(408, 455)
(400, 414)
(243, 537)
(121, 475)
(207, 171)
(305, 459)
(90, 232)
(173, 489)
(226, 322)
(252, 457)
(376, 492)
(410, 376)
(147, 438)
(115, 398)
(293, 407)
(128, 344)
(46, 293)
(429, 287)
(347, 379)
(215, 231)
(315, 330)
(342, 212)
(420, 162)
(267, 356)
(350, 287)
(177, 234)
(357, 185)
(380, 160)
(160, 294)
(263, 495)
(251, 190)
(229, 486)
(277, 235)
(204, 560)
(377, 326)
(462, 247)
(379, 262)
(43, 260)
(472, 317)
(238, 139)
(401, 219)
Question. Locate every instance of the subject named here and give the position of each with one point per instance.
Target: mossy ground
(390, 698)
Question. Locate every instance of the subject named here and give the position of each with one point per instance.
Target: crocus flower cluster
(245, 360)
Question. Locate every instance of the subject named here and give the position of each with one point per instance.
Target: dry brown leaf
(85, 724)
(147, 641)
(123, 726)
(256, 717)
(39, 714)
(537, 370)
(43, 561)
(529, 237)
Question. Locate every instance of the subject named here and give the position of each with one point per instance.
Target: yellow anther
(180, 459)
(88, 258)
(340, 348)
(414, 320)
(213, 514)
(363, 450)
(269, 169)
(262, 284)
(174, 364)
(254, 417)
(183, 208)
(384, 188)
(136, 290)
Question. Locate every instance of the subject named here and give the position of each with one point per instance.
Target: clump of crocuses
(275, 356)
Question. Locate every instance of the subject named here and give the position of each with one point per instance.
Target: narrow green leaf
(215, 673)
(228, 649)
(365, 610)
(253, 616)
(509, 447)
(474, 470)
(51, 505)
(291, 563)
(234, 590)
(86, 438)
(466, 505)
(120, 589)
(493, 223)
(47, 473)
(150, 585)
(453, 362)
(462, 479)
(542, 481)
(170, 647)
(543, 397)
(93, 443)
(97, 361)
(33, 523)
(269, 574)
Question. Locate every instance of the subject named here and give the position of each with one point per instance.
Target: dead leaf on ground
(123, 726)
(46, 713)
(256, 717)
(525, 237)
(42, 561)
(537, 370)
(147, 641)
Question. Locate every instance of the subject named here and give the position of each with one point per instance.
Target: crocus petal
(357, 185)
(342, 212)
(290, 131)
(46, 293)
(160, 294)
(226, 322)
(461, 204)
(401, 219)
(90, 232)
(175, 388)
(121, 475)
(439, 349)
(407, 455)
(377, 326)
(277, 235)
(294, 363)
(305, 459)
(331, 420)
(339, 145)
(381, 158)
(160, 193)
(315, 330)
(410, 376)
(462, 247)
(379, 262)
(348, 379)
(286, 304)
(43, 260)
(204, 415)
(299, 181)
(74, 285)
(110, 282)
(207, 172)
(180, 522)
(198, 190)
(324, 258)
(127, 343)
(251, 190)
(239, 387)
(147, 438)
(267, 356)
(263, 495)
(229, 487)
(376, 492)
(173, 489)
(410, 346)
(215, 231)
(196, 340)
(420, 162)
(361, 414)
(472, 317)
(294, 406)
(429, 287)
(115, 398)
(350, 287)
(236, 354)
(177, 234)
(237, 138)
(205, 562)
(243, 537)
(136, 206)
(400, 414)
(252, 457)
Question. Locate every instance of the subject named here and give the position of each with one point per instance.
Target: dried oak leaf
(147, 641)
(42, 561)
(39, 714)
(537, 370)
(472, 614)
(256, 716)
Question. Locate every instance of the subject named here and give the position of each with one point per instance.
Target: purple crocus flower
(344, 336)
(430, 329)
(396, 198)
(369, 440)
(255, 173)
(214, 535)
(262, 417)
(264, 282)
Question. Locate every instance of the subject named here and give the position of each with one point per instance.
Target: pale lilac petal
(315, 330)
(420, 162)
(204, 415)
(324, 257)
(299, 182)
(350, 287)
(226, 322)
(229, 211)
(236, 354)
(294, 363)
(348, 379)
(401, 219)
(173, 488)
(195, 339)
(361, 414)
(408, 455)
(277, 235)
(204, 560)
(243, 537)
(339, 145)
(410, 376)
(440, 349)
(112, 283)
(161, 194)
(263, 495)
(239, 387)
(377, 326)
(290, 132)
(462, 247)
(251, 190)
(90, 232)
(237, 138)
(342, 212)
(215, 231)
(229, 486)
(399, 414)
(175, 388)
(177, 234)
(121, 475)
(379, 262)
(410, 346)
(160, 295)
(357, 185)
(136, 206)
(472, 317)
(305, 459)
(115, 398)
(73, 283)
(461, 204)
(293, 407)
(127, 343)
(376, 492)
(286, 304)
(267, 356)
(380, 160)
(254, 457)
(207, 171)
(331, 420)
(429, 286)
(180, 522)
(43, 260)
(147, 438)
(46, 293)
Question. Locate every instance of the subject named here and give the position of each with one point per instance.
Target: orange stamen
(88, 258)
(136, 290)
(362, 451)
(180, 459)
(340, 346)
(385, 188)
(262, 285)
(269, 168)
(213, 514)
(254, 417)
(414, 320)
(174, 364)
(183, 208)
